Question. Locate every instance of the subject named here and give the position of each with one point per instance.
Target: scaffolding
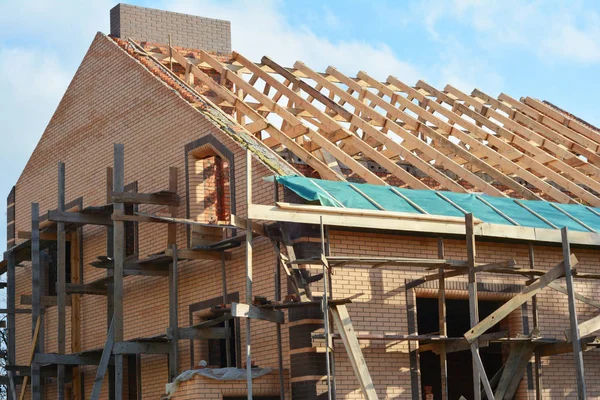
(66, 222)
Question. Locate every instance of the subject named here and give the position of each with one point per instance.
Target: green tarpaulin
(495, 210)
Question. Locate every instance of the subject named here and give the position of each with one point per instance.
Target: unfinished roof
(413, 136)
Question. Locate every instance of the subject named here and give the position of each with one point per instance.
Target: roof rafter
(522, 159)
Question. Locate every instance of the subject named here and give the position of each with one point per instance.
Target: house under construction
(194, 224)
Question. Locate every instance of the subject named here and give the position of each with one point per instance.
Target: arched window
(209, 186)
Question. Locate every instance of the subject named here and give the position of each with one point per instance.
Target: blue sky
(543, 49)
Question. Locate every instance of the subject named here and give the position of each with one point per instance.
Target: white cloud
(260, 28)
(556, 31)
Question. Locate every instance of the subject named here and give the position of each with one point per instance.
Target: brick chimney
(154, 26)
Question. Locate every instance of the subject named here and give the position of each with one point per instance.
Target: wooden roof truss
(332, 121)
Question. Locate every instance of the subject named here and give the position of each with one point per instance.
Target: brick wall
(151, 25)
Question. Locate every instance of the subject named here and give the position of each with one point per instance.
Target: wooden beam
(527, 293)
(104, 359)
(172, 228)
(118, 260)
(174, 315)
(197, 254)
(160, 198)
(61, 281)
(32, 352)
(513, 371)
(240, 310)
(585, 328)
(243, 108)
(575, 336)
(203, 333)
(504, 137)
(346, 330)
(578, 296)
(79, 218)
(330, 146)
(84, 288)
(507, 164)
(44, 301)
(248, 310)
(68, 359)
(473, 302)
(141, 347)
(442, 323)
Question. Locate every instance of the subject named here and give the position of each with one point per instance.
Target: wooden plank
(104, 359)
(79, 218)
(478, 364)
(552, 349)
(346, 330)
(585, 328)
(496, 267)
(372, 213)
(68, 359)
(32, 352)
(44, 301)
(197, 254)
(453, 345)
(83, 288)
(578, 296)
(514, 368)
(527, 293)
(121, 348)
(241, 222)
(203, 333)
(161, 198)
(241, 310)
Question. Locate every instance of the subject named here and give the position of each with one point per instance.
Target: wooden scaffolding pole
(61, 280)
(110, 285)
(473, 303)
(442, 323)
(225, 301)
(577, 351)
(173, 316)
(248, 272)
(36, 311)
(538, 360)
(10, 304)
(118, 257)
(173, 284)
(325, 307)
(479, 374)
(277, 285)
